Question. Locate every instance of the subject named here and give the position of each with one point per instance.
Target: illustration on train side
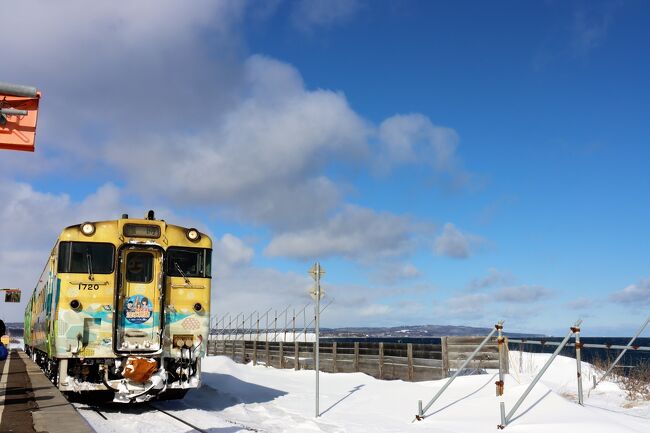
(123, 305)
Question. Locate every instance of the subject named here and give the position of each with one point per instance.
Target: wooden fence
(406, 361)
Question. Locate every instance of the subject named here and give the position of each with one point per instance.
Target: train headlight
(88, 229)
(75, 305)
(193, 235)
(198, 307)
(189, 342)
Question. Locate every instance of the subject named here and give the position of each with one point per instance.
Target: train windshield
(86, 257)
(189, 262)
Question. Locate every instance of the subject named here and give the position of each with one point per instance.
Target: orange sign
(18, 115)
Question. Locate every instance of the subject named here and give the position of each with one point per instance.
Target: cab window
(188, 262)
(80, 257)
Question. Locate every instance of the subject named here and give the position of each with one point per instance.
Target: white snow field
(241, 398)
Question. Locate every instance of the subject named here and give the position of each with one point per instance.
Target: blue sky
(447, 162)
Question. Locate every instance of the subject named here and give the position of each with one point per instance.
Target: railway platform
(30, 403)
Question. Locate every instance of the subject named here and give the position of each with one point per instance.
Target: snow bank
(283, 401)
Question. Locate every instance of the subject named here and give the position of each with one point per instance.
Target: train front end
(133, 303)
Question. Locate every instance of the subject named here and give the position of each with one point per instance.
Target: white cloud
(590, 26)
(413, 138)
(265, 158)
(522, 294)
(375, 310)
(453, 243)
(126, 67)
(308, 14)
(581, 303)
(242, 135)
(633, 295)
(389, 272)
(229, 252)
(464, 307)
(355, 232)
(517, 302)
(116, 68)
(493, 278)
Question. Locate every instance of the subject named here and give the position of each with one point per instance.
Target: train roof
(136, 230)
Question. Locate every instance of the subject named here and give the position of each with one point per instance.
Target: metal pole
(17, 90)
(322, 310)
(451, 379)
(539, 376)
(267, 324)
(500, 341)
(285, 327)
(576, 331)
(275, 334)
(620, 355)
(236, 326)
(223, 322)
(502, 407)
(317, 344)
(224, 327)
(13, 112)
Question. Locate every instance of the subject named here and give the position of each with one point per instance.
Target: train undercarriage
(131, 378)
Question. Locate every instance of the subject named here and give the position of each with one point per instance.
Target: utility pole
(316, 272)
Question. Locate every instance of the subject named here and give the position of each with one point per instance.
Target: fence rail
(405, 361)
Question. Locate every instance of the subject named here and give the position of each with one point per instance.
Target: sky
(445, 162)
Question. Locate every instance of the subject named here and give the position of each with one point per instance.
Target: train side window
(139, 267)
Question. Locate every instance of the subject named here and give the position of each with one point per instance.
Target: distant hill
(418, 331)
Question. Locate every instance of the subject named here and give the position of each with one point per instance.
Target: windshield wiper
(89, 262)
(178, 268)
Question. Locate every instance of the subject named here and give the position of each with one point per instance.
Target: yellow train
(123, 305)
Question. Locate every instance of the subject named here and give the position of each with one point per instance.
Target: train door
(138, 303)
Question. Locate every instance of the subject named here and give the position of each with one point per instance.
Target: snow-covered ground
(272, 400)
(17, 343)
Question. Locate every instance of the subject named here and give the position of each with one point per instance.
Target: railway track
(234, 423)
(111, 417)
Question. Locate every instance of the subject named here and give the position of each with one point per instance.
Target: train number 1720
(84, 286)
